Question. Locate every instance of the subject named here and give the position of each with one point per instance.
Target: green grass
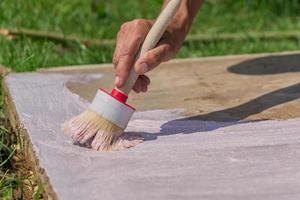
(8, 180)
(100, 19)
(26, 54)
(16, 179)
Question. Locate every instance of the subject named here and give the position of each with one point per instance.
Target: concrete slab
(207, 137)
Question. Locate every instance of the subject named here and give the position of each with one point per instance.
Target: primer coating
(180, 159)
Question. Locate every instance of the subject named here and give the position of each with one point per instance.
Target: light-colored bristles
(91, 129)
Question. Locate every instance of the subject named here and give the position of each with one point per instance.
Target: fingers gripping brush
(102, 124)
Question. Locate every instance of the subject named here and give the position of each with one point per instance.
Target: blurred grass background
(100, 19)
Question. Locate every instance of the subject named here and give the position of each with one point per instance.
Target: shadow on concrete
(234, 115)
(268, 65)
(254, 106)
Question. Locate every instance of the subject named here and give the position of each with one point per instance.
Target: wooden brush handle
(152, 39)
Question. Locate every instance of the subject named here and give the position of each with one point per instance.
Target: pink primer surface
(179, 159)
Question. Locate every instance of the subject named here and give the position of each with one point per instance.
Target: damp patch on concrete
(231, 88)
(182, 157)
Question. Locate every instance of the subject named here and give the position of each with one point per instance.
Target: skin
(132, 34)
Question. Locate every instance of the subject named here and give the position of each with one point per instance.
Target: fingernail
(143, 68)
(117, 81)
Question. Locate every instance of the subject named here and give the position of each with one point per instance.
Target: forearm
(186, 13)
(132, 34)
(183, 20)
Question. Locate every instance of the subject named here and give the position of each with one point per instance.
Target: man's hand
(129, 40)
(131, 36)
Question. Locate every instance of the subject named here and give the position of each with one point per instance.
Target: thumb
(153, 58)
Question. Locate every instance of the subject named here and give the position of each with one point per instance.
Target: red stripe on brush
(118, 95)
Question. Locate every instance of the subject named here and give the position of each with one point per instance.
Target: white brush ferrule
(111, 109)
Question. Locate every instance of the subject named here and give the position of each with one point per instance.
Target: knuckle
(164, 51)
(124, 64)
(117, 70)
(124, 26)
(152, 57)
(125, 52)
(138, 38)
(120, 71)
(138, 23)
(167, 52)
(115, 61)
(158, 56)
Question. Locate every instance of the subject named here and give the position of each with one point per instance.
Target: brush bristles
(90, 129)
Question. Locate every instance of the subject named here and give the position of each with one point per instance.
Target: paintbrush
(102, 124)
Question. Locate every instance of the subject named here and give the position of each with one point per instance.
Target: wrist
(179, 28)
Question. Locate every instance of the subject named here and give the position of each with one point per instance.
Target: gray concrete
(182, 158)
